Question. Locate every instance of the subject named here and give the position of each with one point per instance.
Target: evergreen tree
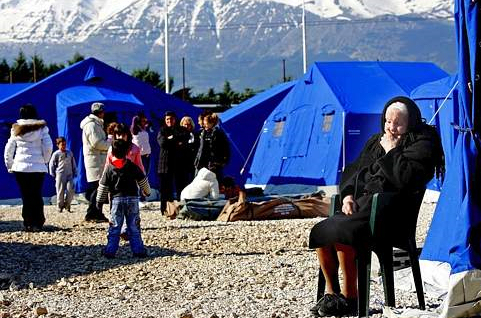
(228, 96)
(77, 57)
(148, 76)
(37, 68)
(4, 71)
(248, 93)
(54, 68)
(21, 70)
(151, 77)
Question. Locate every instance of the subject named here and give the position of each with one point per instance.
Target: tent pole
(444, 101)
(252, 149)
(343, 140)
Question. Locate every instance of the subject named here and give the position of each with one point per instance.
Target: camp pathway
(202, 269)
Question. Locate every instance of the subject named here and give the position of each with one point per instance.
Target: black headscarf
(415, 121)
(417, 125)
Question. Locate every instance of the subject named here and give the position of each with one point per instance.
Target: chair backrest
(394, 216)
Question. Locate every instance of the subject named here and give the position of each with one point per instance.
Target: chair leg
(418, 282)
(321, 285)
(363, 282)
(386, 262)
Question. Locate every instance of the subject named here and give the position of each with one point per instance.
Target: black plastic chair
(383, 244)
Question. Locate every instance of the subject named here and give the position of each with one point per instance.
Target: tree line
(34, 69)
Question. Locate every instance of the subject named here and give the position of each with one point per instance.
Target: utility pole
(183, 78)
(284, 70)
(304, 49)
(34, 70)
(166, 47)
(11, 77)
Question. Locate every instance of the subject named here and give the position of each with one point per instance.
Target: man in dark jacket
(171, 139)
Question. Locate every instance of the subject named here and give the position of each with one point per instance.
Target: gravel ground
(194, 269)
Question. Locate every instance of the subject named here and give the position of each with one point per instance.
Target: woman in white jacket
(27, 154)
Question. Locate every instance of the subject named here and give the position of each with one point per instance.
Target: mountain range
(243, 41)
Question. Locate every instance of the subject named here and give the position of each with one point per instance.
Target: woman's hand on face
(389, 141)
(349, 206)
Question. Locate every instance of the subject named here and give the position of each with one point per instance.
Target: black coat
(171, 140)
(214, 150)
(406, 167)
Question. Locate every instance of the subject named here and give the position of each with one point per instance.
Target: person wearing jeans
(121, 180)
(125, 208)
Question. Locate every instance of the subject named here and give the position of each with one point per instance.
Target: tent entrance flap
(299, 125)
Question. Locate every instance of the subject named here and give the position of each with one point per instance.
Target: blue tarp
(455, 233)
(302, 139)
(64, 99)
(243, 123)
(7, 90)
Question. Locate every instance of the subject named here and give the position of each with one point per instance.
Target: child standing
(122, 179)
(63, 168)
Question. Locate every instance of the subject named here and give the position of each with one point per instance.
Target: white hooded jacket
(29, 147)
(204, 185)
(95, 146)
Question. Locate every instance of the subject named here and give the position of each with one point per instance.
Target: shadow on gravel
(42, 265)
(17, 226)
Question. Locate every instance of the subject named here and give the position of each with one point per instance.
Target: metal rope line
(444, 101)
(252, 149)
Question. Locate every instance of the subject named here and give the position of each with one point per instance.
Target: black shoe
(28, 228)
(37, 228)
(315, 310)
(330, 305)
(348, 306)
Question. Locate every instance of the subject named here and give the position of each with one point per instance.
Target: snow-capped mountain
(243, 41)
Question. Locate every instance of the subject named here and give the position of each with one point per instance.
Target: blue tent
(243, 123)
(324, 121)
(64, 99)
(454, 237)
(438, 104)
(7, 90)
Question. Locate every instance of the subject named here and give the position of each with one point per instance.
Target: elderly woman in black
(402, 157)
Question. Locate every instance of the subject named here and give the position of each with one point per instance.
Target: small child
(121, 179)
(63, 168)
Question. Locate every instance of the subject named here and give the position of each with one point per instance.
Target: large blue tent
(243, 123)
(439, 106)
(454, 238)
(324, 121)
(7, 90)
(64, 99)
